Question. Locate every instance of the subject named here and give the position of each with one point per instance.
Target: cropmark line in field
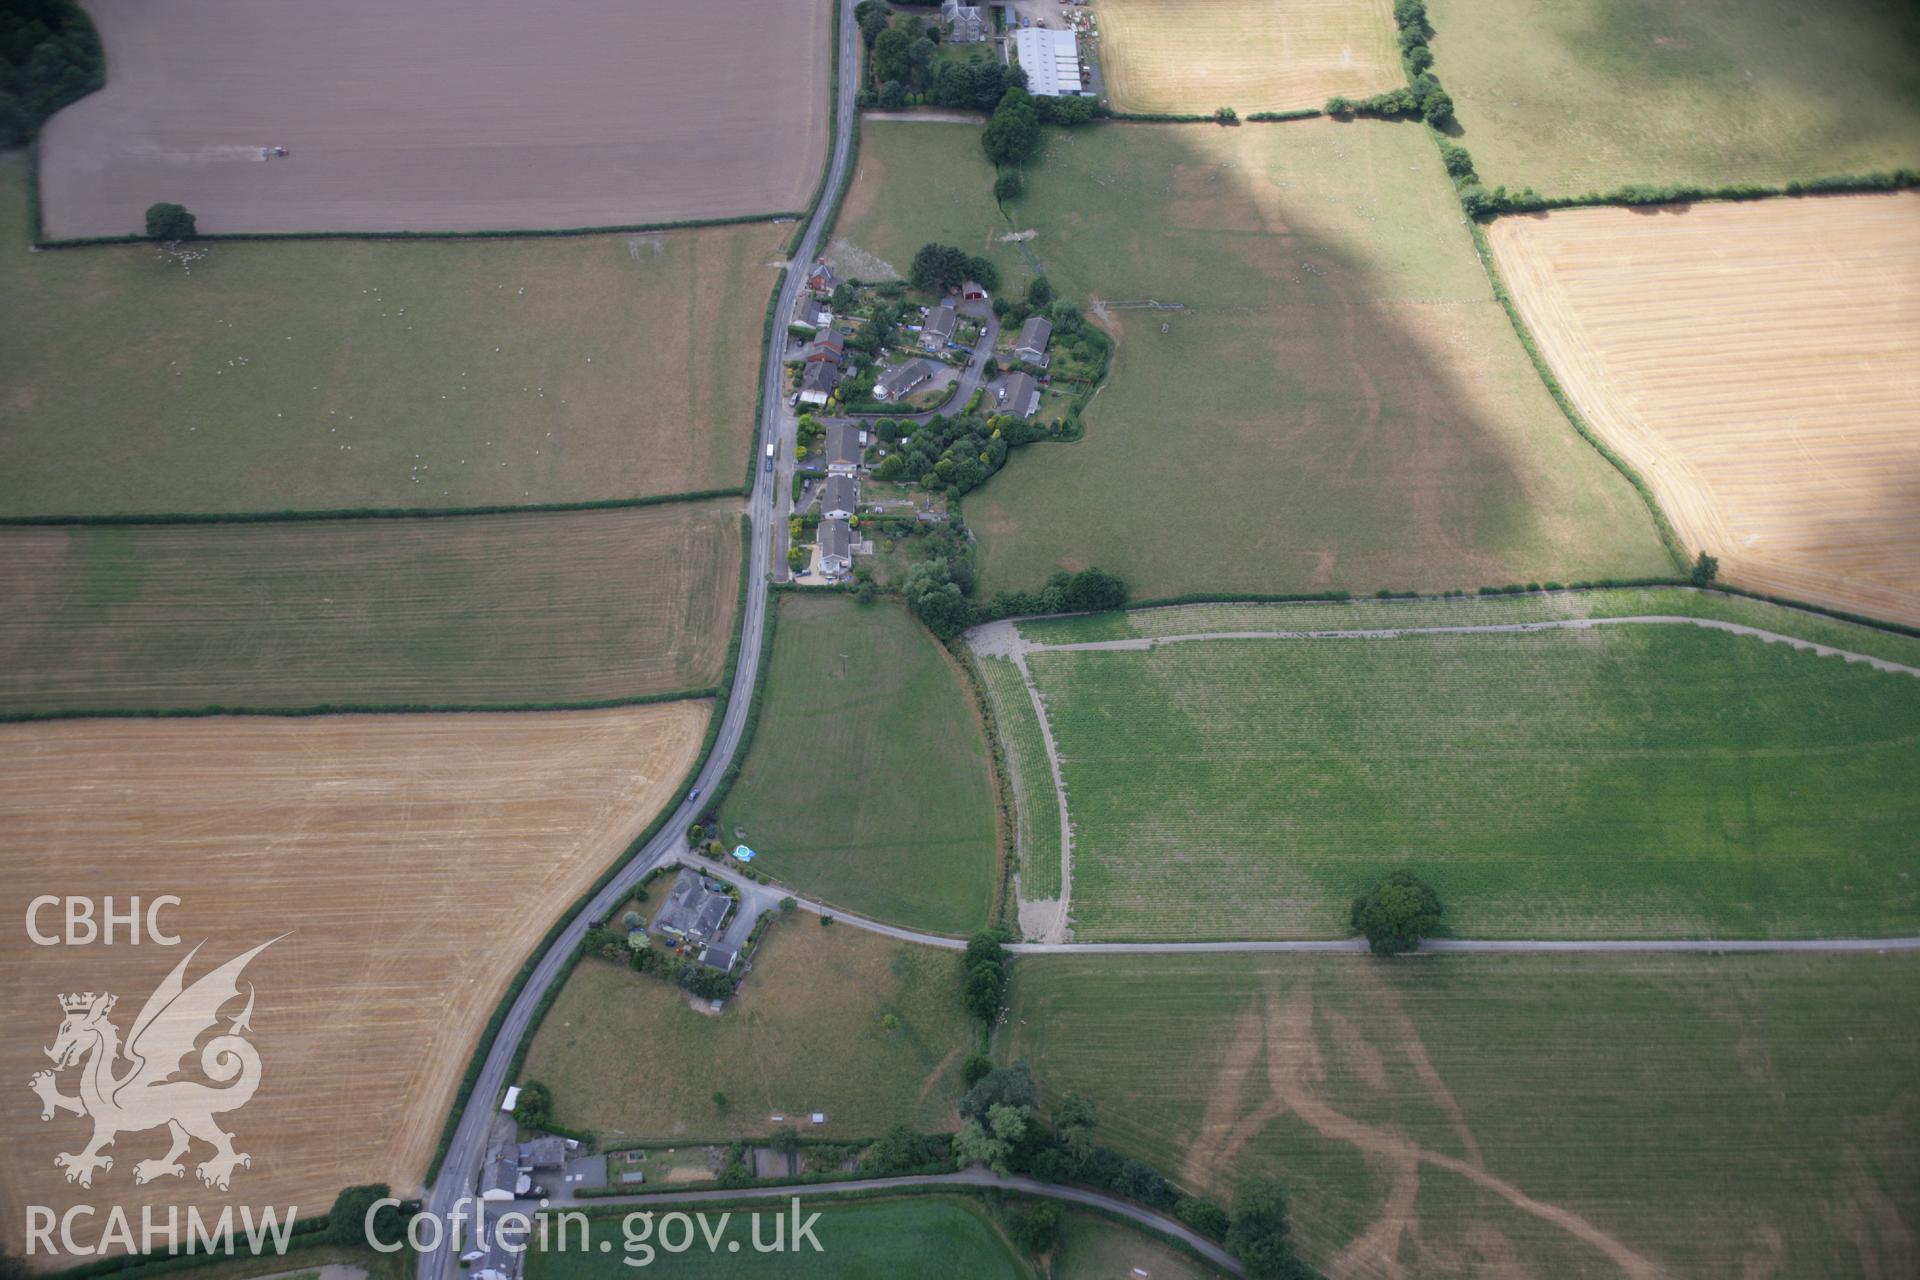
(1390, 633)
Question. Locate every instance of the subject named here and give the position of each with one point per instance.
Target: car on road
(694, 794)
(793, 401)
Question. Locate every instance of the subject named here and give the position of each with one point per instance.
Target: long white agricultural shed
(1051, 60)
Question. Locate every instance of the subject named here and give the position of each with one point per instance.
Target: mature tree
(974, 1068)
(534, 1105)
(983, 272)
(872, 15)
(990, 1141)
(1036, 1228)
(1039, 293)
(938, 267)
(1075, 1111)
(1436, 106)
(983, 992)
(1013, 134)
(1705, 569)
(1003, 1086)
(1459, 163)
(167, 221)
(1204, 1216)
(891, 58)
(347, 1224)
(899, 1149)
(1257, 1232)
(1396, 913)
(1095, 591)
(920, 55)
(785, 1140)
(893, 96)
(1141, 1181)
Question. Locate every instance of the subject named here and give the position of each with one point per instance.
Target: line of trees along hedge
(1422, 95)
(49, 56)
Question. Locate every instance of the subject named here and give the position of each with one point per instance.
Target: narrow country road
(1128, 1209)
(459, 1171)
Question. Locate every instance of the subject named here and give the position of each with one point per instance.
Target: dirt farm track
(441, 115)
(1759, 363)
(411, 861)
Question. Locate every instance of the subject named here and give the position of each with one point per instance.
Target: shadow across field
(1314, 388)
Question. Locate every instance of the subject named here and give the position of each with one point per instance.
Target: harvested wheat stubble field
(442, 115)
(1647, 1116)
(413, 861)
(1252, 55)
(326, 375)
(629, 1054)
(1759, 363)
(1339, 402)
(1632, 781)
(450, 611)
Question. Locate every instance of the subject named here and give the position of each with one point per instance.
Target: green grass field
(628, 1057)
(868, 783)
(1093, 1247)
(311, 375)
(1715, 1116)
(937, 1237)
(1591, 96)
(466, 610)
(1340, 404)
(917, 182)
(1636, 781)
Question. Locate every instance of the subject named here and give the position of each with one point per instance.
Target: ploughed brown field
(411, 863)
(442, 115)
(1759, 363)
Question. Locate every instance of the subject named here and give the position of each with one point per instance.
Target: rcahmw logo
(130, 1085)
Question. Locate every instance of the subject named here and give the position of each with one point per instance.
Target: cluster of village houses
(824, 367)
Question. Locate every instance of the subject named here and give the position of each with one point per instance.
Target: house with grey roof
(846, 448)
(545, 1152)
(1031, 345)
(841, 498)
(939, 327)
(836, 546)
(695, 910)
(900, 382)
(502, 1178)
(966, 23)
(817, 381)
(810, 313)
(720, 957)
(1019, 395)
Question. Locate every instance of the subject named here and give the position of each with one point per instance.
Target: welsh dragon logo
(144, 1095)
